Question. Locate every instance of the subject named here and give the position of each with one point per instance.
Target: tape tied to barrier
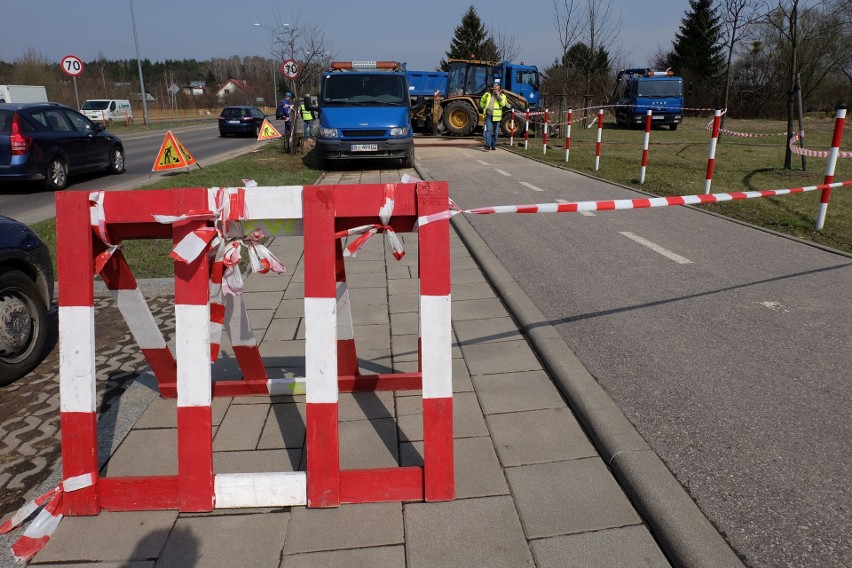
(366, 232)
(37, 534)
(98, 220)
(227, 237)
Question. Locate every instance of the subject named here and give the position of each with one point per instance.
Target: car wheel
(222, 134)
(257, 130)
(56, 175)
(23, 326)
(116, 162)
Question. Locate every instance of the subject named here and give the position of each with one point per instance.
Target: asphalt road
(30, 203)
(727, 347)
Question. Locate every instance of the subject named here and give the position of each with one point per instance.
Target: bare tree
(506, 45)
(304, 43)
(736, 15)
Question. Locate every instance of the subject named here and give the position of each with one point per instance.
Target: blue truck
(637, 90)
(461, 87)
(364, 113)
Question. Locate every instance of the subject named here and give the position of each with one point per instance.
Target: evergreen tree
(471, 40)
(697, 53)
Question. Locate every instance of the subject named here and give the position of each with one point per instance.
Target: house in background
(195, 88)
(236, 90)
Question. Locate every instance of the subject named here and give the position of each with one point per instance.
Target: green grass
(267, 166)
(677, 164)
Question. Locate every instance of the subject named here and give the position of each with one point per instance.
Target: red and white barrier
(527, 131)
(839, 119)
(512, 130)
(711, 158)
(645, 146)
(188, 216)
(598, 143)
(544, 140)
(568, 134)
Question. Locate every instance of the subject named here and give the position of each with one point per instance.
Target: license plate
(658, 117)
(364, 148)
(233, 122)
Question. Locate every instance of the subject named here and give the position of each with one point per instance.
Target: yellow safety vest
(306, 114)
(498, 105)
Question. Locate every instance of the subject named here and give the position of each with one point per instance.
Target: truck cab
(521, 79)
(637, 90)
(364, 113)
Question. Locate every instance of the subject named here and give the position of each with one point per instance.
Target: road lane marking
(583, 213)
(657, 248)
(531, 186)
(483, 163)
(507, 174)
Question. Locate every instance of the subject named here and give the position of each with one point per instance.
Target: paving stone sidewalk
(530, 488)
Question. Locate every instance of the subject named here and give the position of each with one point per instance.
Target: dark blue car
(50, 142)
(26, 293)
(243, 120)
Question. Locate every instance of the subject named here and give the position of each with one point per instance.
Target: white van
(108, 110)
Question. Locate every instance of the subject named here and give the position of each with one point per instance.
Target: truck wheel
(459, 118)
(408, 160)
(23, 326)
(506, 125)
(673, 126)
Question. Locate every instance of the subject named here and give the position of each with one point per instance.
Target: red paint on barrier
(439, 465)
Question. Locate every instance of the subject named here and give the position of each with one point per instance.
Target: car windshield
(364, 89)
(95, 105)
(235, 112)
(664, 88)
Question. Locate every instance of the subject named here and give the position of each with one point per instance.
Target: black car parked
(245, 120)
(26, 292)
(50, 142)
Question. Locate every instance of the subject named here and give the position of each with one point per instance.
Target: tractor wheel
(507, 127)
(459, 118)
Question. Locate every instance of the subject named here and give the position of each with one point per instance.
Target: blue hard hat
(288, 95)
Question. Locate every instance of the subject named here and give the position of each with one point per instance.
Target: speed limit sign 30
(72, 65)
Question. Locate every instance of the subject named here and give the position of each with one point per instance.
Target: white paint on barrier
(269, 202)
(140, 320)
(321, 350)
(192, 351)
(656, 248)
(437, 347)
(77, 359)
(273, 489)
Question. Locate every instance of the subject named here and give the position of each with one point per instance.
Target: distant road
(30, 203)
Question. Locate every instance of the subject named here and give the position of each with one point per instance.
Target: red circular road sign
(72, 65)
(290, 69)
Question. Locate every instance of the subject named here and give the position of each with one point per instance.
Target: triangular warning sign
(187, 156)
(267, 131)
(171, 155)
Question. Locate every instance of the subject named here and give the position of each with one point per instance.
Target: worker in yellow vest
(307, 117)
(492, 104)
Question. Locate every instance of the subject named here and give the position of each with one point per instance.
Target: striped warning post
(598, 144)
(839, 119)
(711, 158)
(645, 146)
(527, 131)
(568, 134)
(544, 139)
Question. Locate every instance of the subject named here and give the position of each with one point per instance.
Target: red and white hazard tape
(365, 232)
(612, 205)
(813, 153)
(43, 526)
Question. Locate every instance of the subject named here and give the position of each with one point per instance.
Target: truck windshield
(364, 89)
(527, 78)
(95, 105)
(665, 88)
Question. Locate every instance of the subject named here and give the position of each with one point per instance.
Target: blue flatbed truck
(364, 113)
(637, 90)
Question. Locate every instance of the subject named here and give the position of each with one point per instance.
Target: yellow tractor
(468, 81)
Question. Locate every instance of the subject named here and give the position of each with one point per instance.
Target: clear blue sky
(373, 30)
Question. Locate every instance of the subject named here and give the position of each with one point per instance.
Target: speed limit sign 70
(72, 65)
(290, 69)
